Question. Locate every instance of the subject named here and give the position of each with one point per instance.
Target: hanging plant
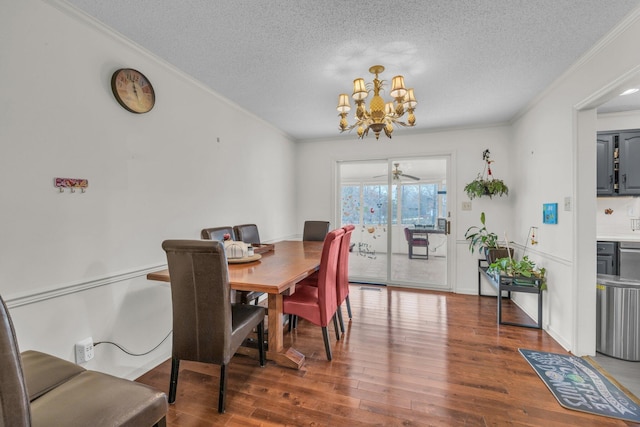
(485, 184)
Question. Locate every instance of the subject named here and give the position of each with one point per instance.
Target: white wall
(74, 265)
(316, 176)
(617, 223)
(554, 152)
(619, 121)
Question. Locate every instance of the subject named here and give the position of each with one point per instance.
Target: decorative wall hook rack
(71, 183)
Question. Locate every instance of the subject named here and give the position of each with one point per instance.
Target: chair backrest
(343, 264)
(200, 297)
(407, 234)
(328, 274)
(14, 404)
(315, 230)
(247, 233)
(217, 233)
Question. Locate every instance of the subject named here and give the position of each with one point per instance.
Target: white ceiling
(471, 62)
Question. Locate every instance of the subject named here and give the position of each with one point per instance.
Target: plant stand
(511, 284)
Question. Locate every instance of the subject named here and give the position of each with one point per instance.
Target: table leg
(499, 305)
(289, 357)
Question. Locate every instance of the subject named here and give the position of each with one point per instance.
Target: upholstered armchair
(38, 389)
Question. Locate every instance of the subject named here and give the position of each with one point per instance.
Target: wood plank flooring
(408, 358)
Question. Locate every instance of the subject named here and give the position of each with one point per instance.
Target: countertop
(616, 281)
(631, 237)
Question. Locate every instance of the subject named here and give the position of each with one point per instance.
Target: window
(419, 203)
(350, 204)
(374, 201)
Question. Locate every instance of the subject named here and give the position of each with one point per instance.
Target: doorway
(588, 121)
(399, 209)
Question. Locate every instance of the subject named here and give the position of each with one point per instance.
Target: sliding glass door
(399, 208)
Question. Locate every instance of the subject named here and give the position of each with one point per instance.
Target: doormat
(577, 385)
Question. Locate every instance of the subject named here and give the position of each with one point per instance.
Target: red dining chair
(318, 304)
(342, 279)
(343, 274)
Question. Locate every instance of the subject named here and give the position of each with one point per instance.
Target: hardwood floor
(408, 358)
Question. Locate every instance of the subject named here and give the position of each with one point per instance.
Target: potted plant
(486, 241)
(524, 272)
(485, 184)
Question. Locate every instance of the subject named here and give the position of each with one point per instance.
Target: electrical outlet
(84, 350)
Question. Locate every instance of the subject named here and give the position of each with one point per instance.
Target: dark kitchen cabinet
(629, 174)
(605, 143)
(617, 154)
(607, 258)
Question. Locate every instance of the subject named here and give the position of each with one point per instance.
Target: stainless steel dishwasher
(629, 260)
(618, 317)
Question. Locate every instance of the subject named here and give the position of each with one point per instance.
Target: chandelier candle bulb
(381, 116)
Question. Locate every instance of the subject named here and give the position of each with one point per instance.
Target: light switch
(466, 206)
(567, 203)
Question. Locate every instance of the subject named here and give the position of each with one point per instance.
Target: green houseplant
(485, 184)
(486, 187)
(485, 241)
(525, 272)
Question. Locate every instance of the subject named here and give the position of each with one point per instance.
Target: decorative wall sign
(71, 183)
(550, 213)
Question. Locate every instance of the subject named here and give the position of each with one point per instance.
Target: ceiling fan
(397, 173)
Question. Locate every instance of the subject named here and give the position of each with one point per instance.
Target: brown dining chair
(318, 304)
(207, 327)
(315, 230)
(218, 233)
(247, 233)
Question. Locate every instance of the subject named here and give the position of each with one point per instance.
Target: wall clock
(132, 90)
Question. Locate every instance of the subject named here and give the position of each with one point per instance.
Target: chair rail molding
(18, 300)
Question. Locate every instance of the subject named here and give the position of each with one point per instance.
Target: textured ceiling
(471, 62)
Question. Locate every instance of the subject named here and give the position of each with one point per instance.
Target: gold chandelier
(380, 116)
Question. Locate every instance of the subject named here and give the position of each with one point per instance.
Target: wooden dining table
(275, 274)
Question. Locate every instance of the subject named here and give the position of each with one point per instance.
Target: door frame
(452, 242)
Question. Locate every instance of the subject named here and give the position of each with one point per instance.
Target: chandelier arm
(355, 125)
(398, 122)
